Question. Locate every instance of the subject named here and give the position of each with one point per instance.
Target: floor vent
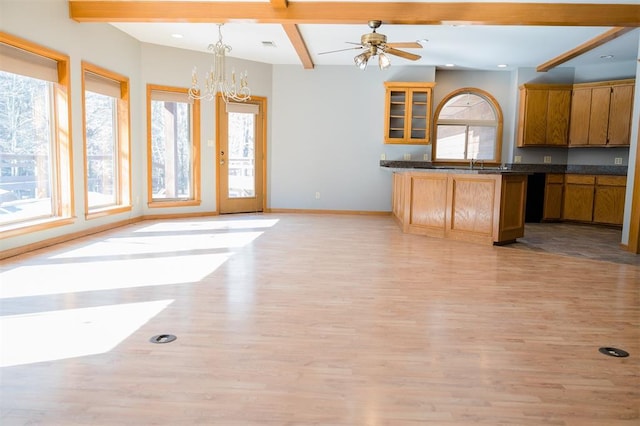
(163, 338)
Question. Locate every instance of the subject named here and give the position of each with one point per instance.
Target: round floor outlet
(615, 352)
(163, 338)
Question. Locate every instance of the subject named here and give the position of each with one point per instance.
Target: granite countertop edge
(514, 167)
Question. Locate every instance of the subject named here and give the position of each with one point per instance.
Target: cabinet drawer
(580, 179)
(611, 180)
(555, 178)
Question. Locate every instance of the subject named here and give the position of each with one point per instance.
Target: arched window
(468, 127)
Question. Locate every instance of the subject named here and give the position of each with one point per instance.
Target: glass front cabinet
(408, 112)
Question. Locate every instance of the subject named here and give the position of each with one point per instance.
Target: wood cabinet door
(418, 114)
(608, 204)
(557, 123)
(580, 113)
(535, 117)
(553, 192)
(578, 198)
(395, 115)
(599, 117)
(620, 115)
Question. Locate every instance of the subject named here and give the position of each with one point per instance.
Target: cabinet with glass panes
(408, 112)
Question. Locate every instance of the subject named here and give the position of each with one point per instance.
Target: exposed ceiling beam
(295, 37)
(552, 14)
(584, 47)
(279, 4)
(298, 43)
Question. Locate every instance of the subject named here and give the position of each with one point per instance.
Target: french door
(240, 155)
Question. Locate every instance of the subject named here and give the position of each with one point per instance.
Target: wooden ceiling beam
(584, 47)
(544, 14)
(298, 43)
(279, 4)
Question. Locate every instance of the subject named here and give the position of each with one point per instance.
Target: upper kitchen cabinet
(408, 112)
(601, 113)
(543, 115)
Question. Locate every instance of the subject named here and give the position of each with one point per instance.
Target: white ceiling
(468, 46)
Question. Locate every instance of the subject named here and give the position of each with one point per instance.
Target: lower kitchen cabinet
(578, 197)
(553, 191)
(594, 199)
(608, 203)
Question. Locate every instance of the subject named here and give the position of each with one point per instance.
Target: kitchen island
(479, 205)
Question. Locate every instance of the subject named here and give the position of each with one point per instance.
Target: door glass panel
(241, 178)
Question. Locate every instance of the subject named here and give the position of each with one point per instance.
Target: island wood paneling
(471, 208)
(482, 208)
(427, 204)
(512, 208)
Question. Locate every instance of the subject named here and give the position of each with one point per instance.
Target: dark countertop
(511, 168)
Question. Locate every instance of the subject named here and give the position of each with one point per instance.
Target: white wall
(327, 137)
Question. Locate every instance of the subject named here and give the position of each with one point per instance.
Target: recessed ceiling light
(268, 44)
(176, 35)
(502, 65)
(449, 65)
(606, 57)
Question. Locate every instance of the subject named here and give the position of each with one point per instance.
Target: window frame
(123, 144)
(497, 154)
(195, 200)
(63, 207)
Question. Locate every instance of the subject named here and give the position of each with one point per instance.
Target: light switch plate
(618, 160)
(383, 156)
(407, 157)
(547, 159)
(517, 159)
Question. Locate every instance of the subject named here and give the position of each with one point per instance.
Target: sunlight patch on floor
(149, 245)
(209, 225)
(55, 335)
(59, 278)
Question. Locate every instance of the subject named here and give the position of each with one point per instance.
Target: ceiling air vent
(268, 44)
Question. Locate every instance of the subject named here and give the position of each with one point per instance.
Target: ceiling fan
(376, 44)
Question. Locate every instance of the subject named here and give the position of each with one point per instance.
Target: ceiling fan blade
(406, 45)
(341, 50)
(401, 53)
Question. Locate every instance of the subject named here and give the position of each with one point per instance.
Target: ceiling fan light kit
(375, 44)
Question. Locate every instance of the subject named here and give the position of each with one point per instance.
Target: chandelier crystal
(215, 79)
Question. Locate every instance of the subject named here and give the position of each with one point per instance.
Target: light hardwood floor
(298, 319)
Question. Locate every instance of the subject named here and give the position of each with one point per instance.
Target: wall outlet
(317, 195)
(517, 159)
(383, 156)
(547, 159)
(210, 143)
(425, 157)
(618, 160)
(407, 157)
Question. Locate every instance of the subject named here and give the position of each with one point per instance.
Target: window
(468, 127)
(173, 153)
(35, 143)
(106, 142)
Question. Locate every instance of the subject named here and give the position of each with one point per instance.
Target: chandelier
(215, 79)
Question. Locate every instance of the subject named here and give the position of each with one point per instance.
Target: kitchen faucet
(473, 162)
